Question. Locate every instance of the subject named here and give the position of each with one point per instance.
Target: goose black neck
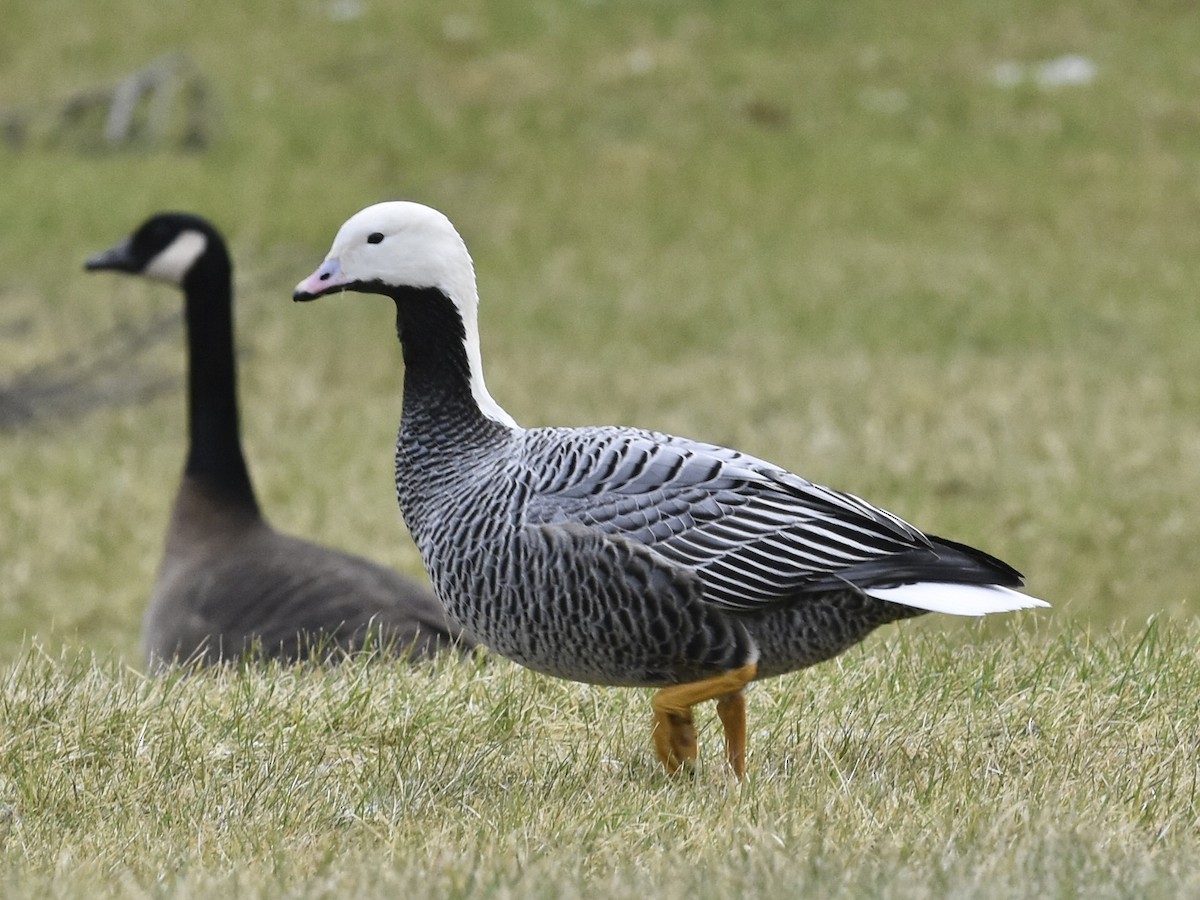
(437, 372)
(215, 451)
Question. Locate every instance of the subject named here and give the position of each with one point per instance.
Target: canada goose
(621, 556)
(229, 582)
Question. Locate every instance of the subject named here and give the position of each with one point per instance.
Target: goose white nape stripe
(399, 243)
(956, 599)
(173, 261)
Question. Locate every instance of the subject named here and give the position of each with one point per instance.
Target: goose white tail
(956, 599)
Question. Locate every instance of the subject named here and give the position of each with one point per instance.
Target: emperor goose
(620, 556)
(229, 582)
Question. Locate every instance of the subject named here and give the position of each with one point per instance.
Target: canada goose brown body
(229, 583)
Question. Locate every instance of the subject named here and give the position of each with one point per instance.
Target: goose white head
(400, 244)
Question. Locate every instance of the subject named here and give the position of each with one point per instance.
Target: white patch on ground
(1071, 70)
(345, 10)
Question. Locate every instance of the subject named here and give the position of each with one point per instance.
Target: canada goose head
(186, 251)
(396, 248)
(166, 247)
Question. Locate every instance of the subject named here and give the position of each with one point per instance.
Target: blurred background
(943, 256)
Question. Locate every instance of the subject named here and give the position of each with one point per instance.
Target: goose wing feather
(758, 534)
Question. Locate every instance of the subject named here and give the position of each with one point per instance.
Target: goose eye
(375, 237)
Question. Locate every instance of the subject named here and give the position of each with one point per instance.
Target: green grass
(1055, 764)
(816, 232)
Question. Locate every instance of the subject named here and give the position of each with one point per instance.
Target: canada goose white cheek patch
(175, 260)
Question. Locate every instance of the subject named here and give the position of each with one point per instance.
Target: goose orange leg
(674, 731)
(732, 710)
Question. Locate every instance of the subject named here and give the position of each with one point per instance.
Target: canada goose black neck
(214, 452)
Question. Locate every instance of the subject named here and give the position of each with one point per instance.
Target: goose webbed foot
(675, 731)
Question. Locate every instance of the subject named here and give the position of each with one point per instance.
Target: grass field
(1037, 764)
(821, 233)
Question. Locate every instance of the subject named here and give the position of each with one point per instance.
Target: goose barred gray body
(229, 582)
(621, 556)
